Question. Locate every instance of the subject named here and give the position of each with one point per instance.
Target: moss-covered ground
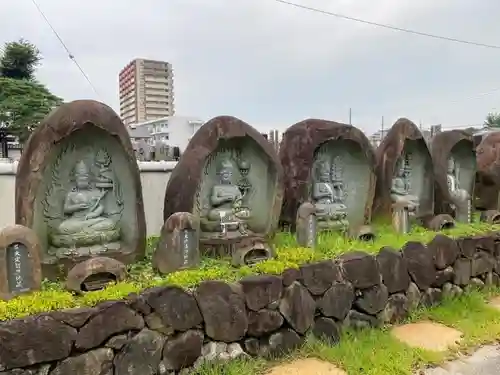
(52, 296)
(376, 352)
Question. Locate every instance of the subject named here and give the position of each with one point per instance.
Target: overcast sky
(272, 64)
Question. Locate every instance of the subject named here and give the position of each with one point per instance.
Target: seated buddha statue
(400, 194)
(460, 197)
(328, 199)
(226, 202)
(84, 222)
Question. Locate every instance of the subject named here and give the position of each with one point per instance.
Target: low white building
(377, 137)
(176, 131)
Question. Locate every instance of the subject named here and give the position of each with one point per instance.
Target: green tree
(24, 101)
(492, 120)
(19, 60)
(23, 104)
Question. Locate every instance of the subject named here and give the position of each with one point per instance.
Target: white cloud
(270, 63)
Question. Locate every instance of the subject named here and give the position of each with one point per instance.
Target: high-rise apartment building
(146, 89)
(275, 138)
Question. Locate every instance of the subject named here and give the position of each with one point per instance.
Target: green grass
(375, 352)
(288, 255)
(469, 314)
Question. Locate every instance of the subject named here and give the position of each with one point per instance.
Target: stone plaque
(19, 273)
(178, 247)
(20, 269)
(401, 219)
(311, 231)
(307, 225)
(188, 243)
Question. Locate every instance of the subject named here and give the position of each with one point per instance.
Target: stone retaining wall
(167, 330)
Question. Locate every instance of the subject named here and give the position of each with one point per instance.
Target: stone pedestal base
(490, 216)
(340, 226)
(362, 233)
(438, 222)
(242, 250)
(68, 252)
(85, 238)
(95, 274)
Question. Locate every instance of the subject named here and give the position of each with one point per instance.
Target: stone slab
(495, 303)
(427, 335)
(307, 366)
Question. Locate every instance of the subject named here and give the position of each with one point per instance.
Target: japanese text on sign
(185, 247)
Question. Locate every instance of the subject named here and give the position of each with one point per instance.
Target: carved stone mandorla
(84, 218)
(328, 196)
(244, 183)
(104, 179)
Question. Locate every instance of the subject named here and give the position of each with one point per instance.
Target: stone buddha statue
(226, 212)
(400, 190)
(460, 197)
(328, 199)
(84, 222)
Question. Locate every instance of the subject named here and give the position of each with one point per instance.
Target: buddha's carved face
(323, 172)
(400, 169)
(82, 176)
(226, 174)
(82, 181)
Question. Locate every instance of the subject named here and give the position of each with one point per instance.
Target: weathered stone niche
(488, 171)
(346, 155)
(454, 159)
(78, 187)
(404, 147)
(228, 158)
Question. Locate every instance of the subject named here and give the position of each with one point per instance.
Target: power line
(466, 99)
(70, 55)
(461, 100)
(476, 96)
(390, 27)
(408, 31)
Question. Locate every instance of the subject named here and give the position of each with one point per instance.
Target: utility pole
(350, 116)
